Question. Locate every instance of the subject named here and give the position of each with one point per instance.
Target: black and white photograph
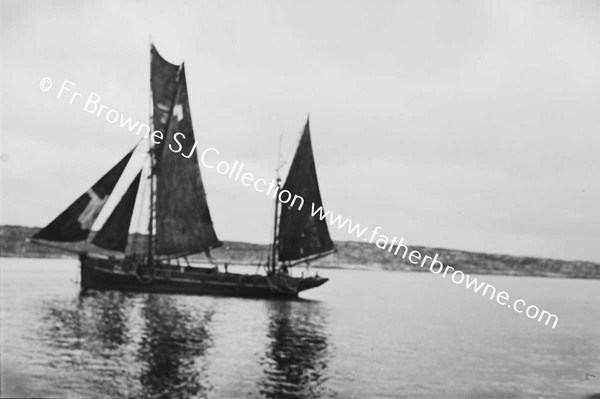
(300, 199)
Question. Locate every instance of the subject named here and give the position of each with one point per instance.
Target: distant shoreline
(353, 267)
(351, 255)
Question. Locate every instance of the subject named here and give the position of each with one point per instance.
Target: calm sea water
(364, 334)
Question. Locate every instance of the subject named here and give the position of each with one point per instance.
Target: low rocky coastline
(350, 255)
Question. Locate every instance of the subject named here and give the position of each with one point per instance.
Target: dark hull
(107, 274)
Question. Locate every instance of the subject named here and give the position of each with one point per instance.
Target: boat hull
(114, 274)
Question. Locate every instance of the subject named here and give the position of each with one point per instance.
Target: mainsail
(180, 211)
(183, 222)
(75, 223)
(300, 234)
(115, 232)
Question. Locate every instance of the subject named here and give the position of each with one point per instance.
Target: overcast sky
(472, 125)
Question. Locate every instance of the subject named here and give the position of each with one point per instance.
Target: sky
(470, 125)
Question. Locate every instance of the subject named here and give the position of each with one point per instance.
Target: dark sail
(300, 234)
(183, 222)
(163, 81)
(75, 222)
(115, 232)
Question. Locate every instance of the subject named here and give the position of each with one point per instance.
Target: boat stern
(311, 282)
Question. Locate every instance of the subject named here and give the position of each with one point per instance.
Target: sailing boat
(179, 221)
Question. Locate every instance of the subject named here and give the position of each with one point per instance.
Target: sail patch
(92, 210)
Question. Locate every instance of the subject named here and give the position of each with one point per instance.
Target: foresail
(75, 223)
(183, 222)
(115, 232)
(300, 234)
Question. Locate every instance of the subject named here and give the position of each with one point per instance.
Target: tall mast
(273, 257)
(151, 152)
(273, 264)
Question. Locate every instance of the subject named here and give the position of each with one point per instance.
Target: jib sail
(115, 232)
(75, 223)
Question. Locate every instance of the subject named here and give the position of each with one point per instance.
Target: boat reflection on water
(295, 362)
(114, 344)
(173, 348)
(87, 340)
(97, 323)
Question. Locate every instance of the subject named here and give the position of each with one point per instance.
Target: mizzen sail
(75, 223)
(300, 234)
(183, 222)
